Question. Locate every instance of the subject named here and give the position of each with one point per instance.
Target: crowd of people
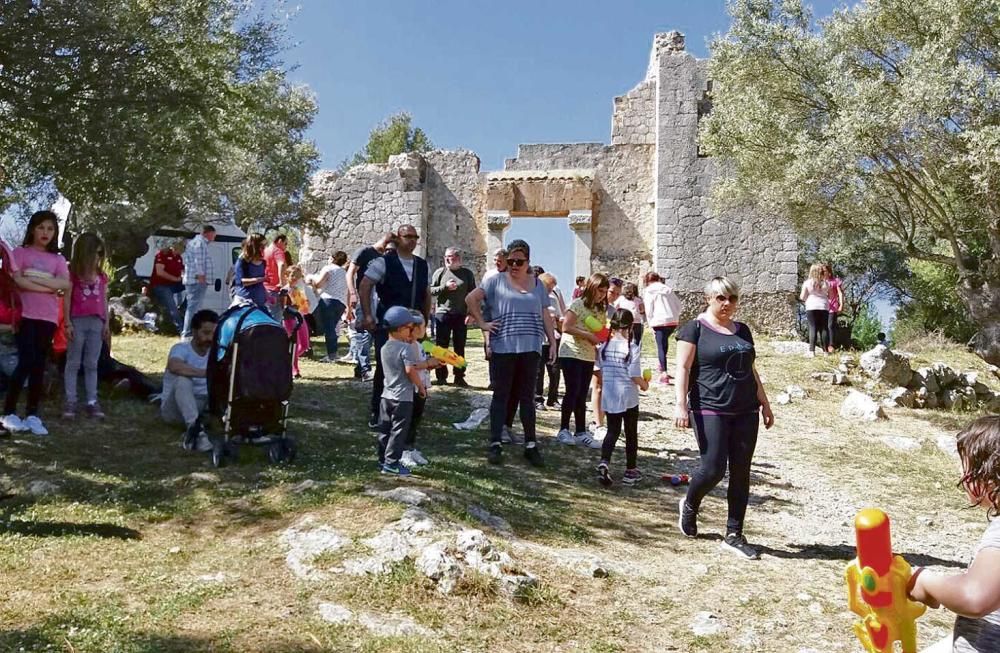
(386, 296)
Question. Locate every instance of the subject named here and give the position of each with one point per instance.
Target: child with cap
(402, 377)
(412, 456)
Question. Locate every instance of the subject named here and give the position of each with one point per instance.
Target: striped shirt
(519, 314)
(197, 261)
(619, 392)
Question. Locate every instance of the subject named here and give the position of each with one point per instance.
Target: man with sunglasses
(450, 285)
(401, 278)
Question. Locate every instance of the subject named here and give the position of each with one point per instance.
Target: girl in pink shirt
(42, 278)
(86, 311)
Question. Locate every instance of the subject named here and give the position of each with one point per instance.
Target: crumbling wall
(455, 191)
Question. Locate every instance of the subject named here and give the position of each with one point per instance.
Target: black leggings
(630, 418)
(724, 439)
(831, 327)
(577, 375)
(34, 340)
(553, 370)
(662, 334)
(818, 322)
(513, 376)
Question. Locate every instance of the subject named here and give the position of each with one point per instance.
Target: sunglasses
(516, 262)
(732, 299)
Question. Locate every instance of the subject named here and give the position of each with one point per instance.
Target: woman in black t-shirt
(720, 394)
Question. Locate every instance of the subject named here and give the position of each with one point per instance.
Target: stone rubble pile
(937, 386)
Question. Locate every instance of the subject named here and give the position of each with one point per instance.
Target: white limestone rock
(860, 407)
(886, 366)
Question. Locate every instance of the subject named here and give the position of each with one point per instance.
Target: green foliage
(930, 304)
(174, 108)
(879, 123)
(392, 136)
(866, 327)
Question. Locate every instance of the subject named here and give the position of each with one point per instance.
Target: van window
(236, 254)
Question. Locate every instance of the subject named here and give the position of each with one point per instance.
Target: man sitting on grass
(185, 387)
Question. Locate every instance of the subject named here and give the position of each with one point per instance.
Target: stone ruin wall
(650, 199)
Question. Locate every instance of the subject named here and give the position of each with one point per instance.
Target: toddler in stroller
(250, 382)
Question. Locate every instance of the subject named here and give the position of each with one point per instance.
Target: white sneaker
(33, 424)
(505, 436)
(565, 437)
(586, 439)
(418, 457)
(14, 424)
(407, 459)
(347, 360)
(600, 432)
(203, 444)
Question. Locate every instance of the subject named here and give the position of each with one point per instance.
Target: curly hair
(979, 448)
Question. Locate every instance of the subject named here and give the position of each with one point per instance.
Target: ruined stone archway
(513, 194)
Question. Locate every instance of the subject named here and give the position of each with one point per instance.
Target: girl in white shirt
(816, 295)
(632, 302)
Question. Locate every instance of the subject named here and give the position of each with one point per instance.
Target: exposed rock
(335, 614)
(900, 443)
(498, 524)
(883, 364)
(953, 400)
(847, 360)
(706, 624)
(307, 540)
(839, 378)
(824, 377)
(783, 398)
(994, 370)
(859, 406)
(42, 488)
(969, 379)
(901, 397)
(947, 444)
(793, 347)
(926, 378)
(796, 392)
(405, 495)
(307, 485)
(209, 478)
(392, 625)
(517, 584)
(438, 564)
(992, 405)
(946, 375)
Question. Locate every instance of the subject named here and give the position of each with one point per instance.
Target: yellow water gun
(446, 356)
(876, 588)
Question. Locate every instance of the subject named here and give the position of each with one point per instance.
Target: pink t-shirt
(89, 296)
(34, 263)
(835, 283)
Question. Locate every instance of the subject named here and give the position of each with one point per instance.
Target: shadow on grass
(67, 529)
(846, 552)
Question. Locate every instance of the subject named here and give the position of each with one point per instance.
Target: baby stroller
(250, 382)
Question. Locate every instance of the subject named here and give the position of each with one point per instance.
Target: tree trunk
(983, 300)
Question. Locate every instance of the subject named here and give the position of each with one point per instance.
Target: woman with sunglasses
(719, 393)
(517, 304)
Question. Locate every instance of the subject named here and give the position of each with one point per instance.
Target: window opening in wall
(704, 109)
(553, 246)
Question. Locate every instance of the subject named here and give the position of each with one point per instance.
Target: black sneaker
(687, 518)
(373, 424)
(191, 435)
(460, 382)
(439, 382)
(604, 475)
(495, 454)
(736, 543)
(534, 456)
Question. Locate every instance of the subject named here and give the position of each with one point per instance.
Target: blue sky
(481, 75)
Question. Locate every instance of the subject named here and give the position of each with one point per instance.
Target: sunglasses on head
(731, 298)
(516, 262)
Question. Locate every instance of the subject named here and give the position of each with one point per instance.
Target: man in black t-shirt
(361, 340)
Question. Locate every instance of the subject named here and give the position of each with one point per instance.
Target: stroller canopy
(241, 317)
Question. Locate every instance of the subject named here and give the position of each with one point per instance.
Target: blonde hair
(294, 273)
(547, 278)
(721, 286)
(817, 272)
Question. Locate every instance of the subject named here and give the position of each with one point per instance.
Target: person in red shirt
(165, 283)
(275, 260)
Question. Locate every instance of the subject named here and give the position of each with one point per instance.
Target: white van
(225, 249)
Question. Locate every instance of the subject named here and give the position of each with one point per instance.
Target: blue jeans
(329, 313)
(166, 296)
(195, 296)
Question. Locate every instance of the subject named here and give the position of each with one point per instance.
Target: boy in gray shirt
(402, 376)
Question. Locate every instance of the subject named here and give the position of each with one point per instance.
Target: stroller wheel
(291, 448)
(276, 452)
(218, 454)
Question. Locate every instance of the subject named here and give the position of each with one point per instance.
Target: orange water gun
(597, 327)
(876, 588)
(446, 356)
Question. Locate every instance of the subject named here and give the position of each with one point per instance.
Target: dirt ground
(113, 539)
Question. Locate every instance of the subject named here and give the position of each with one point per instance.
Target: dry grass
(134, 554)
